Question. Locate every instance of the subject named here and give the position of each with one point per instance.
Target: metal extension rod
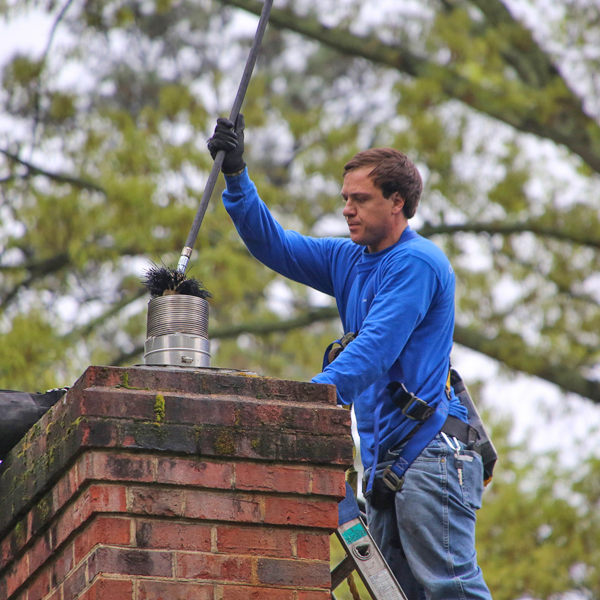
(235, 111)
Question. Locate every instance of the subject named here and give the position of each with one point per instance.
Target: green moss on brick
(73, 426)
(125, 382)
(225, 442)
(159, 408)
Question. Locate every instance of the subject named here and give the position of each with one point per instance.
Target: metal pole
(235, 111)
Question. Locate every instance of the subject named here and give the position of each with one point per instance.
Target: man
(395, 291)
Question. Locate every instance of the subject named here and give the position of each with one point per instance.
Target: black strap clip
(391, 480)
(411, 406)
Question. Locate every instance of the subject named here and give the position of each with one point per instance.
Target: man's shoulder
(423, 250)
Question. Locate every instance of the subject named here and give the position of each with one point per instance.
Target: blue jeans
(427, 535)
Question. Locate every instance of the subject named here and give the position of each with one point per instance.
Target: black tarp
(19, 411)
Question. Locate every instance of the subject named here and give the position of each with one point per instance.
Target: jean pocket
(472, 480)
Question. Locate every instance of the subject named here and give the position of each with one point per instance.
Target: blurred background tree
(103, 161)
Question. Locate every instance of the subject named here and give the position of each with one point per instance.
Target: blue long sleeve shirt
(400, 301)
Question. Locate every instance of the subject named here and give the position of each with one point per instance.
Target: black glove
(230, 139)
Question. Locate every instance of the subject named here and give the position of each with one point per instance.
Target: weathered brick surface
(312, 546)
(255, 541)
(108, 559)
(109, 589)
(236, 592)
(103, 530)
(214, 567)
(149, 589)
(312, 595)
(173, 535)
(294, 573)
(153, 483)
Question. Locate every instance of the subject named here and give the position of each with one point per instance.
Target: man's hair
(392, 172)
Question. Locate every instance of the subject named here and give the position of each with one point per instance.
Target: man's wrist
(235, 173)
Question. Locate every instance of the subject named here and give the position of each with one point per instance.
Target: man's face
(372, 219)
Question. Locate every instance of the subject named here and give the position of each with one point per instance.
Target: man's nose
(349, 209)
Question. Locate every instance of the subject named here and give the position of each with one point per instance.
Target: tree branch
(88, 328)
(584, 238)
(34, 269)
(59, 177)
(516, 355)
(551, 109)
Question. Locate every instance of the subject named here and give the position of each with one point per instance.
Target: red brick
(329, 482)
(107, 559)
(237, 592)
(149, 589)
(75, 583)
(40, 587)
(124, 404)
(115, 531)
(173, 535)
(16, 575)
(64, 490)
(40, 514)
(96, 498)
(311, 595)
(13, 542)
(98, 432)
(213, 567)
(294, 573)
(314, 546)
(109, 589)
(272, 478)
(121, 467)
(195, 472)
(20, 596)
(255, 541)
(206, 410)
(306, 513)
(56, 595)
(40, 552)
(63, 564)
(166, 502)
(222, 507)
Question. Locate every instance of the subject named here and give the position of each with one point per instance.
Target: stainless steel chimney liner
(177, 332)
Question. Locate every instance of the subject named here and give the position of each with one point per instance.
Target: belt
(453, 427)
(462, 431)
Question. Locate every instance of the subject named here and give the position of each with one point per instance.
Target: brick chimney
(164, 484)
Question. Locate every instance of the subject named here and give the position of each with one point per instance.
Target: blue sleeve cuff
(322, 378)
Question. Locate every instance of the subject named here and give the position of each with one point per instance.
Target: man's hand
(231, 139)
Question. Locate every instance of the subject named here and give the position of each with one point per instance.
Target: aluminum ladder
(364, 557)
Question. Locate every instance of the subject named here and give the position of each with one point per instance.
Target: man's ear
(398, 201)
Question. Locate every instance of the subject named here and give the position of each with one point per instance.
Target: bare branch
(516, 355)
(90, 327)
(34, 270)
(573, 236)
(59, 177)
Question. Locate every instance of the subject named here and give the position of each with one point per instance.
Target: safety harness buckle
(391, 480)
(412, 406)
(420, 410)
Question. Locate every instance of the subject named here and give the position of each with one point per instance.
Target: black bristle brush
(163, 280)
